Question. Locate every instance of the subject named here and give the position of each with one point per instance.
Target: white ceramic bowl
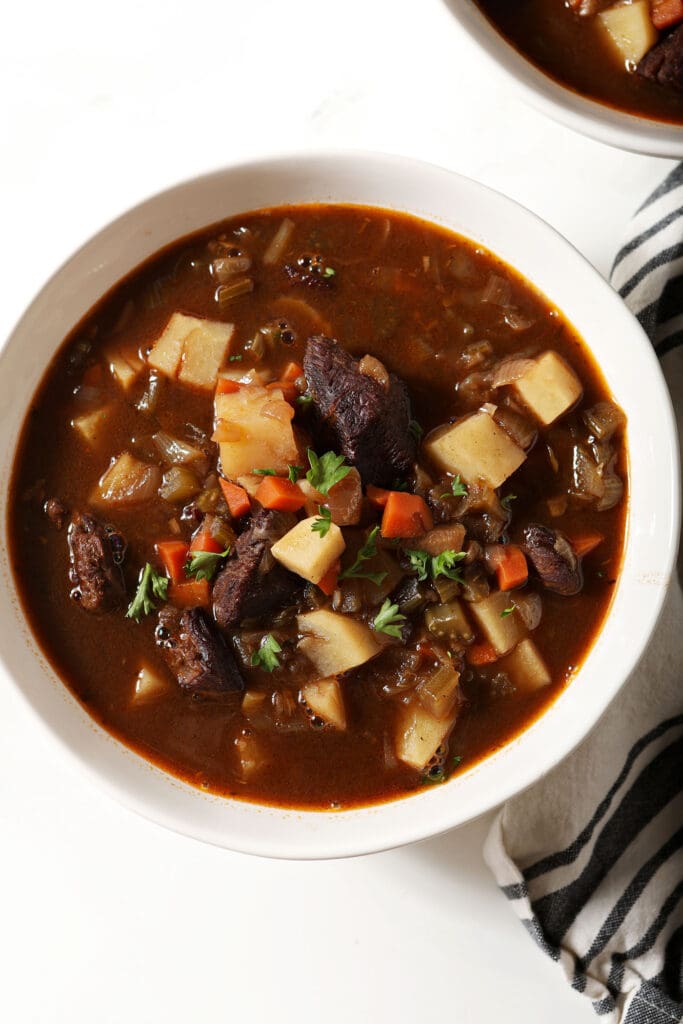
(597, 120)
(632, 372)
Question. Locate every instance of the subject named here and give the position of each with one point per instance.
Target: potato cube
(335, 643)
(419, 735)
(125, 367)
(549, 388)
(204, 351)
(501, 627)
(93, 426)
(526, 667)
(325, 700)
(149, 685)
(168, 348)
(475, 448)
(308, 553)
(629, 30)
(263, 436)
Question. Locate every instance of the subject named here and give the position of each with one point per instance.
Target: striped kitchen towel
(591, 858)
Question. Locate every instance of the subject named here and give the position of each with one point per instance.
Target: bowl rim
(344, 831)
(590, 117)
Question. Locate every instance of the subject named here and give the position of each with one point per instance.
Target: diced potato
(335, 643)
(475, 448)
(549, 388)
(448, 621)
(526, 667)
(149, 685)
(253, 702)
(629, 29)
(125, 367)
(419, 735)
(192, 349)
(345, 499)
(501, 628)
(438, 693)
(252, 754)
(306, 552)
(324, 698)
(240, 376)
(93, 426)
(204, 351)
(263, 439)
(127, 481)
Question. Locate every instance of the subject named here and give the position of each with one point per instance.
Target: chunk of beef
(554, 560)
(196, 652)
(96, 553)
(663, 64)
(365, 420)
(56, 512)
(251, 585)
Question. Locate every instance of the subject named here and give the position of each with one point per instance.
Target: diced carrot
(224, 386)
(293, 371)
(586, 542)
(236, 498)
(666, 13)
(173, 554)
(512, 570)
(481, 654)
(190, 594)
(377, 495)
(276, 492)
(203, 541)
(289, 392)
(405, 515)
(329, 581)
(94, 375)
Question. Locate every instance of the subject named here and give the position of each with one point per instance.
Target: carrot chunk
(276, 492)
(377, 495)
(190, 594)
(203, 541)
(224, 386)
(481, 654)
(586, 542)
(512, 570)
(666, 13)
(173, 554)
(293, 371)
(405, 515)
(329, 581)
(236, 498)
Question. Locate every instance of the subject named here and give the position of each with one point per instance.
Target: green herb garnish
(151, 585)
(235, 359)
(264, 472)
(420, 562)
(294, 472)
(326, 470)
(203, 565)
(415, 430)
(329, 272)
(445, 565)
(266, 657)
(388, 620)
(368, 551)
(304, 400)
(458, 489)
(507, 611)
(506, 502)
(322, 525)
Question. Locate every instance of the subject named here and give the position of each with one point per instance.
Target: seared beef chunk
(252, 585)
(553, 558)
(196, 652)
(56, 512)
(366, 421)
(96, 553)
(663, 64)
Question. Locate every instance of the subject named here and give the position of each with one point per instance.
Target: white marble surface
(103, 916)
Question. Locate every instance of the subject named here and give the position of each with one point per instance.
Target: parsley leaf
(264, 472)
(415, 430)
(387, 620)
(322, 525)
(419, 561)
(458, 489)
(369, 550)
(506, 502)
(235, 359)
(507, 611)
(304, 400)
(329, 272)
(326, 471)
(151, 585)
(266, 657)
(445, 565)
(294, 472)
(203, 565)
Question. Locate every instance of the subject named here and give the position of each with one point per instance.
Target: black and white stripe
(592, 858)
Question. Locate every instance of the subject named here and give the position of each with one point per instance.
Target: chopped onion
(371, 367)
(612, 494)
(604, 420)
(225, 293)
(516, 321)
(178, 485)
(557, 506)
(489, 407)
(587, 480)
(476, 354)
(529, 607)
(278, 409)
(497, 291)
(519, 428)
(148, 402)
(128, 480)
(279, 242)
(174, 450)
(510, 370)
(226, 267)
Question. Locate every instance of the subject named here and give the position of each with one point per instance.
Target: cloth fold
(591, 857)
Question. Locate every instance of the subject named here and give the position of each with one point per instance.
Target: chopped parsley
(368, 551)
(507, 611)
(235, 359)
(415, 430)
(329, 272)
(294, 472)
(322, 525)
(304, 400)
(420, 562)
(458, 489)
(264, 472)
(388, 620)
(506, 502)
(266, 657)
(445, 564)
(203, 565)
(151, 585)
(326, 470)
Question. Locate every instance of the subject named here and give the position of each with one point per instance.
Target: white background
(107, 918)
